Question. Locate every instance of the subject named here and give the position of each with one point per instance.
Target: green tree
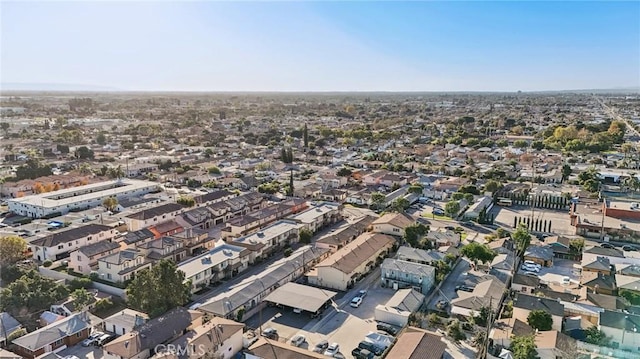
(454, 331)
(400, 205)
(186, 201)
(595, 336)
(158, 289)
(524, 347)
(305, 236)
(378, 200)
(79, 283)
(12, 249)
(566, 172)
(492, 186)
(84, 152)
(521, 238)
(414, 233)
(101, 139)
(576, 245)
(305, 136)
(31, 294)
(540, 320)
(110, 203)
(478, 252)
(344, 172)
(214, 170)
(82, 298)
(452, 208)
(468, 197)
(416, 188)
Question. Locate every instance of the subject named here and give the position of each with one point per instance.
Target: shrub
(47, 263)
(287, 252)
(79, 283)
(103, 304)
(16, 334)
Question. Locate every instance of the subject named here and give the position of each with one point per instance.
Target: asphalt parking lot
(339, 323)
(90, 352)
(561, 268)
(560, 222)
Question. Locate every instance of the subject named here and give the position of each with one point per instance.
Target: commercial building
(63, 201)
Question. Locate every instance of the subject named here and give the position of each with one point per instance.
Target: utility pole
(604, 206)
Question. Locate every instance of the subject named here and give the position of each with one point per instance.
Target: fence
(615, 353)
(47, 272)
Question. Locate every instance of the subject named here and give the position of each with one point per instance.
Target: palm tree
(116, 172)
(84, 169)
(110, 203)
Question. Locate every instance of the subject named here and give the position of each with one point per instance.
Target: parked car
(321, 347)
(270, 333)
(359, 353)
(387, 328)
(532, 264)
(106, 338)
(370, 347)
(450, 228)
(92, 338)
(629, 248)
(438, 212)
(607, 245)
(442, 304)
(532, 274)
(465, 288)
(332, 349)
(355, 302)
(362, 293)
(298, 340)
(528, 268)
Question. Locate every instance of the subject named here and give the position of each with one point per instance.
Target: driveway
(447, 291)
(90, 352)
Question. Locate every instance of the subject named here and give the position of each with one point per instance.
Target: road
(616, 116)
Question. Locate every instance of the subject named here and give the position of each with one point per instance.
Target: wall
(524, 313)
(614, 353)
(47, 272)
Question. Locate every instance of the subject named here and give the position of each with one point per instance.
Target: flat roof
(314, 212)
(268, 233)
(47, 200)
(300, 296)
(209, 259)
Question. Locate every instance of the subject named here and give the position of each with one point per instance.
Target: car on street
(355, 302)
(92, 338)
(438, 212)
(362, 293)
(298, 340)
(450, 228)
(464, 288)
(532, 264)
(442, 304)
(387, 328)
(629, 248)
(332, 349)
(270, 333)
(607, 245)
(321, 346)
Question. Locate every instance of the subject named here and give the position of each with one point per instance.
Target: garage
(301, 298)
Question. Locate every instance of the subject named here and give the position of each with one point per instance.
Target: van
(105, 339)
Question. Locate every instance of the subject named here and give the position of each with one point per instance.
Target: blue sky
(322, 46)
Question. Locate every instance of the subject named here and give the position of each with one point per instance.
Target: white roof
(310, 215)
(268, 233)
(212, 258)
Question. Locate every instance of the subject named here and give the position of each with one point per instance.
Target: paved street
(447, 291)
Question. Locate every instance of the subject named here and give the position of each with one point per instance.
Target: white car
(530, 268)
(333, 349)
(92, 338)
(532, 264)
(298, 340)
(355, 302)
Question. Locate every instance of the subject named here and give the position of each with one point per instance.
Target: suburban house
(599, 283)
(86, 258)
(10, 325)
(221, 262)
(525, 283)
(397, 273)
(552, 344)
(523, 304)
(213, 197)
(622, 328)
(59, 244)
(133, 238)
(142, 342)
(600, 265)
(318, 216)
(487, 293)
(166, 228)
(265, 348)
(67, 306)
(195, 240)
(399, 307)
(122, 266)
(124, 321)
(56, 336)
(352, 261)
(444, 238)
(219, 338)
(561, 247)
(152, 216)
(393, 224)
(483, 203)
(542, 255)
(415, 343)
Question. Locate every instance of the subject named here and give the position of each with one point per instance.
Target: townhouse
(392, 224)
(53, 337)
(85, 259)
(318, 216)
(152, 216)
(221, 262)
(163, 248)
(338, 239)
(60, 244)
(400, 274)
(268, 240)
(122, 266)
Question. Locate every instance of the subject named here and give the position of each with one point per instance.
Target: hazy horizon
(321, 46)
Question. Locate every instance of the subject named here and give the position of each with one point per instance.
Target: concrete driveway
(447, 291)
(90, 352)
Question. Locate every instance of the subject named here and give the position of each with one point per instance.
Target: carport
(301, 297)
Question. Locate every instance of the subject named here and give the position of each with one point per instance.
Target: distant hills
(17, 86)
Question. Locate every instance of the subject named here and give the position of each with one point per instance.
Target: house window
(61, 246)
(78, 334)
(108, 275)
(79, 258)
(58, 342)
(108, 265)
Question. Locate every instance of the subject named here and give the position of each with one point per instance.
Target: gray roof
(419, 255)
(300, 296)
(529, 302)
(121, 257)
(527, 280)
(127, 318)
(408, 300)
(9, 323)
(542, 252)
(52, 332)
(98, 247)
(137, 236)
(69, 235)
(401, 266)
(149, 213)
(609, 252)
(620, 320)
(230, 301)
(601, 263)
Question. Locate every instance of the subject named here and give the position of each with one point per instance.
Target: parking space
(90, 352)
(461, 274)
(561, 268)
(560, 222)
(339, 323)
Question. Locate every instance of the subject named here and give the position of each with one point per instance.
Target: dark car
(370, 347)
(387, 328)
(629, 248)
(465, 288)
(106, 338)
(450, 228)
(359, 353)
(270, 333)
(607, 245)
